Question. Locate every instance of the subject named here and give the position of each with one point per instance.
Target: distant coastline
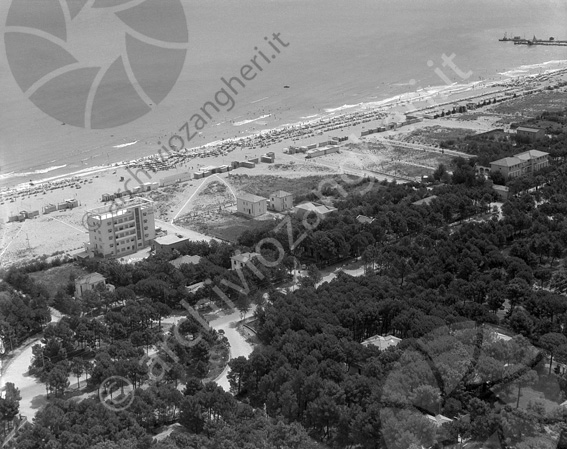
(12, 181)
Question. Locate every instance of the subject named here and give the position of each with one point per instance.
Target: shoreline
(60, 231)
(346, 113)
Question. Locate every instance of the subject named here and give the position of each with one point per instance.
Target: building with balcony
(120, 228)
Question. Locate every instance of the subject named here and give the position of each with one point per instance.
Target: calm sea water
(341, 52)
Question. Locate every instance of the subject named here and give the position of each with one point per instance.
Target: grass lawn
(224, 224)
(57, 277)
(264, 185)
(532, 105)
(434, 135)
(529, 394)
(550, 401)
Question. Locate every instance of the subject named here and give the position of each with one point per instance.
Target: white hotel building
(120, 229)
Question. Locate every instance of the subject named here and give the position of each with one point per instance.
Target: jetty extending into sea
(534, 41)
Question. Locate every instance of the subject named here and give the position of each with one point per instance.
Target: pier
(518, 41)
(554, 43)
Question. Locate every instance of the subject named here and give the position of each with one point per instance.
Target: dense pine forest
(475, 289)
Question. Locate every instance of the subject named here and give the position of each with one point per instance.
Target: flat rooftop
(119, 207)
(170, 239)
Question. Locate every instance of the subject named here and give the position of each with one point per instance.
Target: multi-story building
(521, 164)
(251, 205)
(120, 229)
(281, 200)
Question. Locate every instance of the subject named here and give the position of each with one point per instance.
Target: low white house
(89, 282)
(313, 209)
(381, 342)
(240, 260)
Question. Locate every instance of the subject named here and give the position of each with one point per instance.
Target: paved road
(238, 345)
(174, 229)
(32, 390)
(421, 147)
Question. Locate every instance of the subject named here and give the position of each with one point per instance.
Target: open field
(57, 277)
(387, 157)
(532, 105)
(212, 212)
(264, 185)
(434, 135)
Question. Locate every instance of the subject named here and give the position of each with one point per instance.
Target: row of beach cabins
(11, 195)
(317, 149)
(260, 140)
(26, 215)
(480, 102)
(328, 124)
(203, 172)
(452, 109)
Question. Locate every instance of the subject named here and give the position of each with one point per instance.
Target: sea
(339, 55)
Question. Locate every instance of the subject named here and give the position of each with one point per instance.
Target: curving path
(32, 390)
(238, 345)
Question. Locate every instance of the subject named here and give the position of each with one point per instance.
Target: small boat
(286, 87)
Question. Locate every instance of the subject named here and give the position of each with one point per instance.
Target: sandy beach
(62, 232)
